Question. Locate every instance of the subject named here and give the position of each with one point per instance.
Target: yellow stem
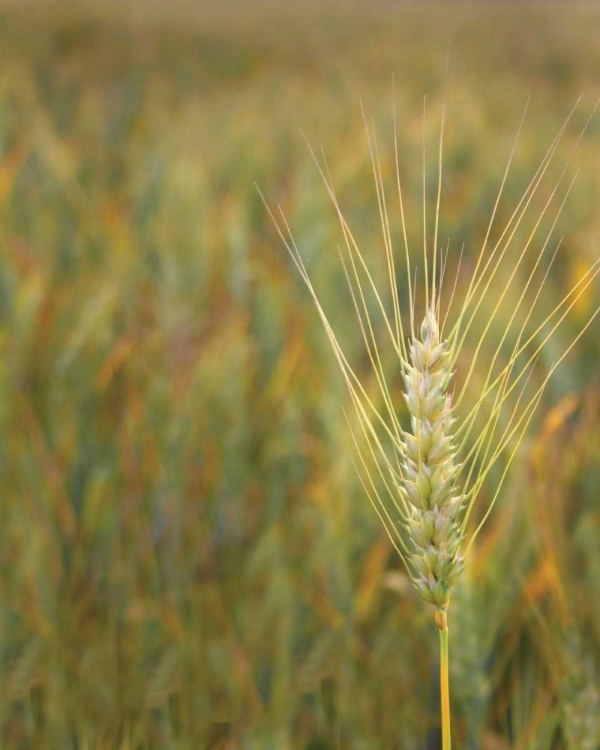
(442, 623)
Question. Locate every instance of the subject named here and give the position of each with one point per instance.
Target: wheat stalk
(423, 480)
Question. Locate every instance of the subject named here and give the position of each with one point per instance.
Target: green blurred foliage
(187, 556)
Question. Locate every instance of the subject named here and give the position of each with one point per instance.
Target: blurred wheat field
(188, 559)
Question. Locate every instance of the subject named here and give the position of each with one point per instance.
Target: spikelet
(429, 467)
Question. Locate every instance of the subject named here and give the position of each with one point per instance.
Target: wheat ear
(429, 467)
(423, 482)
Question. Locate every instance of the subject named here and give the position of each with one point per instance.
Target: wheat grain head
(423, 478)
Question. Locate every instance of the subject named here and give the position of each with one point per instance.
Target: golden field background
(187, 556)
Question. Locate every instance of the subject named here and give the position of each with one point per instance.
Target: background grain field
(187, 559)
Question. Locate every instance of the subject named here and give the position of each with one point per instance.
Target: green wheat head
(423, 475)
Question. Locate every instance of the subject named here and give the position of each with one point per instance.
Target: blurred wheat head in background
(422, 461)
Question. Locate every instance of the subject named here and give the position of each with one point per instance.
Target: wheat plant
(424, 460)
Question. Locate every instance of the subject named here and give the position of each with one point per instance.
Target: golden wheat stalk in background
(423, 479)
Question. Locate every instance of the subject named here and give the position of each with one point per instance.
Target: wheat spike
(425, 497)
(429, 467)
(423, 482)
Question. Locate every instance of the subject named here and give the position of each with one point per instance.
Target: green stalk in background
(422, 469)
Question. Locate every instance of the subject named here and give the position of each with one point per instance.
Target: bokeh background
(187, 558)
